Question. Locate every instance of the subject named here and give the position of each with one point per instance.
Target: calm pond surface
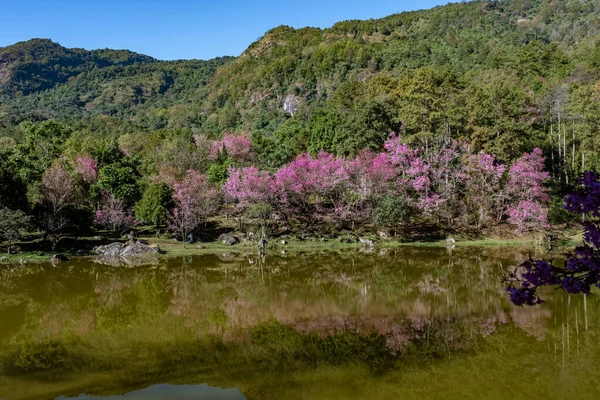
(407, 323)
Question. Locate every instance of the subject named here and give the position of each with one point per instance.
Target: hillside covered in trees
(479, 84)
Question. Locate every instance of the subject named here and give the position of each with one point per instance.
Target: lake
(405, 323)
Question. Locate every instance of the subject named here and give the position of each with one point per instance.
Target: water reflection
(278, 325)
(172, 392)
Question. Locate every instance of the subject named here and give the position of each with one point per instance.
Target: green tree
(121, 181)
(391, 211)
(218, 170)
(154, 205)
(499, 116)
(41, 145)
(324, 127)
(260, 213)
(279, 148)
(12, 223)
(429, 102)
(13, 191)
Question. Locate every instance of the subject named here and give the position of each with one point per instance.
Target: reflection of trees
(533, 320)
(382, 293)
(204, 312)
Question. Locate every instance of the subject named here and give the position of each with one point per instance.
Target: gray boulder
(119, 249)
(110, 250)
(138, 248)
(228, 239)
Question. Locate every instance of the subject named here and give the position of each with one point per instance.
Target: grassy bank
(172, 248)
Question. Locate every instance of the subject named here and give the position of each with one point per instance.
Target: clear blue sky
(178, 28)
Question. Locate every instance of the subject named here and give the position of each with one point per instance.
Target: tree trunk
(573, 153)
(566, 163)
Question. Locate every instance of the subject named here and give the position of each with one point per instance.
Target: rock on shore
(126, 249)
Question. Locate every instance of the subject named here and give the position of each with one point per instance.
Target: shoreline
(170, 248)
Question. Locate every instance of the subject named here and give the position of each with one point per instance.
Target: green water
(409, 323)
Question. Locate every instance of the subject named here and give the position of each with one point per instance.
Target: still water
(408, 323)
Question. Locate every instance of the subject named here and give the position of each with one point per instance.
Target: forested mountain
(505, 76)
(40, 80)
(39, 64)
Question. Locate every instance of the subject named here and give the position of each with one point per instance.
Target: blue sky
(179, 28)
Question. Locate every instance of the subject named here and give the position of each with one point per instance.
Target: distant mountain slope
(40, 64)
(532, 37)
(41, 79)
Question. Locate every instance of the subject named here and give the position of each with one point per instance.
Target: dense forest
(475, 93)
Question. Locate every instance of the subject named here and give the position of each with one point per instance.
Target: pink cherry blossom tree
(114, 215)
(87, 168)
(57, 192)
(447, 178)
(371, 174)
(238, 147)
(482, 187)
(414, 175)
(526, 178)
(195, 201)
(528, 215)
(312, 186)
(246, 187)
(526, 194)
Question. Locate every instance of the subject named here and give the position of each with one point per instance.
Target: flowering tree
(371, 174)
(482, 180)
(528, 215)
(581, 269)
(58, 188)
(246, 187)
(441, 180)
(400, 153)
(238, 147)
(371, 177)
(87, 168)
(526, 177)
(249, 185)
(114, 215)
(447, 177)
(58, 191)
(310, 185)
(195, 200)
(414, 175)
(526, 193)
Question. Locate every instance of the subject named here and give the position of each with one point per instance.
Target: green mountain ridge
(42, 80)
(40, 64)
